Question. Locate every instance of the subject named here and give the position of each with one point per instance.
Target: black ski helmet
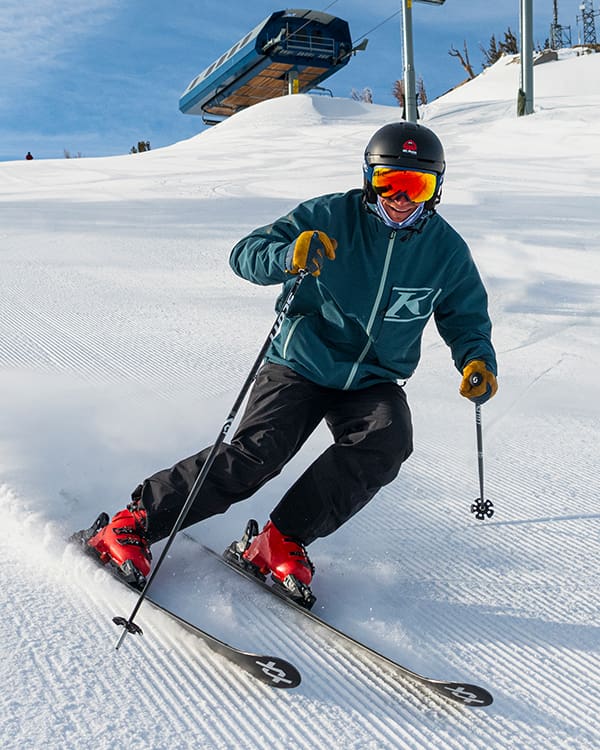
(405, 145)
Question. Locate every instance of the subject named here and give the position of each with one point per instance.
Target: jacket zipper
(370, 324)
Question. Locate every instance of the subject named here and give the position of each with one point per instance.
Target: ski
(270, 670)
(463, 693)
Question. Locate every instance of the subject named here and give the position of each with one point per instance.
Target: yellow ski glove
(309, 252)
(478, 383)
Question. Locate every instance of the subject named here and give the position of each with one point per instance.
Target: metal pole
(479, 431)
(481, 507)
(293, 82)
(410, 88)
(527, 53)
(129, 625)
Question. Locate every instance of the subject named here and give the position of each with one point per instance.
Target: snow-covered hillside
(124, 338)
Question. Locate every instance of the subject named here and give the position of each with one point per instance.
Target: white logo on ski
(466, 696)
(273, 672)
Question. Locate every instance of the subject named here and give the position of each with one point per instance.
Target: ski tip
(472, 696)
(274, 672)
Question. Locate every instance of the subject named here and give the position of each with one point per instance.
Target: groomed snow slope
(124, 339)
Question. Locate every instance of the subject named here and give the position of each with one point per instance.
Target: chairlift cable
(389, 18)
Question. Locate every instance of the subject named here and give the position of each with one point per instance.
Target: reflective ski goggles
(418, 187)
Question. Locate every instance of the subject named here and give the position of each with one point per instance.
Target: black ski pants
(372, 437)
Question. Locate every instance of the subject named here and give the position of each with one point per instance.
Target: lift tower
(560, 36)
(587, 19)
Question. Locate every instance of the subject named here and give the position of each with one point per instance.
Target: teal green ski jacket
(361, 321)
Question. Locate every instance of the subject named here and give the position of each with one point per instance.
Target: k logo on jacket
(407, 305)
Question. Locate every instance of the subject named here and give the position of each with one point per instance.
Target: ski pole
(480, 507)
(129, 625)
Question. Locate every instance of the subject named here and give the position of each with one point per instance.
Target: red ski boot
(285, 558)
(122, 543)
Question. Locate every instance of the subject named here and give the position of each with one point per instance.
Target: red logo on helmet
(409, 147)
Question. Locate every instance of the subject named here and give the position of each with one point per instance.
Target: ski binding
(290, 587)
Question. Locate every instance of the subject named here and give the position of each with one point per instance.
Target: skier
(381, 262)
(29, 156)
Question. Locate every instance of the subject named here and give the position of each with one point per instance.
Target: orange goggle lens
(417, 186)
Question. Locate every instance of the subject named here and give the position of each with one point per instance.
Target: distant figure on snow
(29, 156)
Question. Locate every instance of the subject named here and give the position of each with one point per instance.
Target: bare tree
(495, 50)
(421, 93)
(399, 93)
(463, 58)
(366, 95)
(492, 53)
(510, 45)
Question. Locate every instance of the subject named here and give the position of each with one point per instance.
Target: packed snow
(125, 338)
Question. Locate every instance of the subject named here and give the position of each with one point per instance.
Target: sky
(96, 78)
